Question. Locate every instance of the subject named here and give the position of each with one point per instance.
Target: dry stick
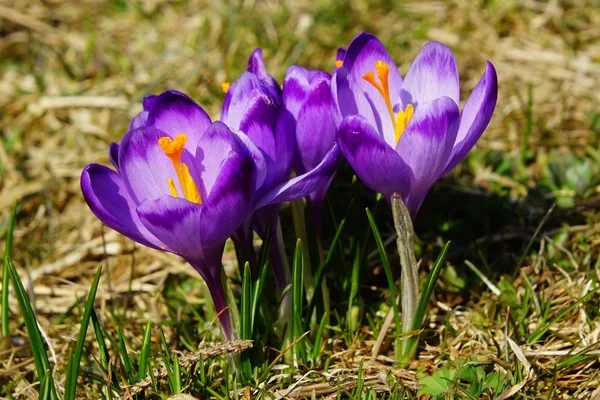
(406, 250)
(234, 346)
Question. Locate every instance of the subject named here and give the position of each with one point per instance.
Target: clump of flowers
(185, 185)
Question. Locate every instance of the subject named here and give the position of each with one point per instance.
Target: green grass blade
(320, 273)
(299, 350)
(387, 269)
(98, 331)
(5, 275)
(246, 304)
(145, 353)
(40, 358)
(74, 362)
(536, 335)
(45, 386)
(426, 296)
(318, 343)
(125, 360)
(257, 295)
(174, 374)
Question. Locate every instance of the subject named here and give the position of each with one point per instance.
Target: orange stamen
(173, 148)
(339, 63)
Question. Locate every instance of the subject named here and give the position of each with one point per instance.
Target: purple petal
(362, 54)
(296, 84)
(315, 127)
(174, 112)
(139, 121)
(349, 98)
(238, 98)
(108, 198)
(426, 145)
(476, 115)
(279, 164)
(176, 223)
(256, 64)
(257, 156)
(232, 196)
(113, 152)
(432, 75)
(259, 120)
(145, 168)
(271, 129)
(148, 102)
(229, 174)
(341, 53)
(305, 184)
(373, 160)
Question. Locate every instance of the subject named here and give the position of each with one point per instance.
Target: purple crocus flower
(307, 96)
(255, 106)
(182, 185)
(401, 136)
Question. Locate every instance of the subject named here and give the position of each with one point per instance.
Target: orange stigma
(173, 148)
(381, 83)
(339, 63)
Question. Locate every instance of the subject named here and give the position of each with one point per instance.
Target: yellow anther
(402, 120)
(225, 86)
(382, 85)
(189, 187)
(172, 187)
(174, 149)
(339, 63)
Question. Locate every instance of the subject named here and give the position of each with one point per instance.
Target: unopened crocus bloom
(401, 136)
(254, 105)
(307, 95)
(182, 184)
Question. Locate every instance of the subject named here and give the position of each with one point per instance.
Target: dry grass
(72, 74)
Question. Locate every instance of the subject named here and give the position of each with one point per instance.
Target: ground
(515, 311)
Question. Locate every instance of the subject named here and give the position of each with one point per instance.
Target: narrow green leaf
(71, 380)
(145, 353)
(426, 296)
(45, 386)
(320, 273)
(175, 376)
(257, 295)
(40, 358)
(318, 343)
(387, 269)
(297, 299)
(125, 360)
(98, 331)
(5, 274)
(246, 304)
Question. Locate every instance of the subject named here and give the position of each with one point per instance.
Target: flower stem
(300, 228)
(410, 283)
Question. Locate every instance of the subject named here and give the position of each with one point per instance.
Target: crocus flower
(401, 136)
(182, 184)
(307, 95)
(254, 105)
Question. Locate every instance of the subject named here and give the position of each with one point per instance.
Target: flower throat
(381, 83)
